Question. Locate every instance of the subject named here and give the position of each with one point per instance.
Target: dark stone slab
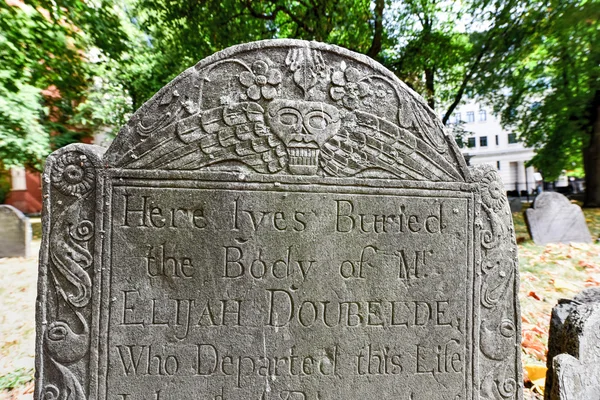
(515, 204)
(554, 219)
(15, 233)
(284, 220)
(574, 348)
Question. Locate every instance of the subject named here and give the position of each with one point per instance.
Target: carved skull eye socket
(316, 121)
(289, 117)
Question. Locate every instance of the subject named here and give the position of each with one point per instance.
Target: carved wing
(234, 132)
(421, 120)
(366, 141)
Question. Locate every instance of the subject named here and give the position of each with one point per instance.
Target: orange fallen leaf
(590, 267)
(532, 345)
(534, 295)
(592, 282)
(535, 371)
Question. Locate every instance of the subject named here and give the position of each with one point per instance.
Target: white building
(485, 142)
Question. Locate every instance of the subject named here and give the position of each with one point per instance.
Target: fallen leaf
(534, 295)
(592, 282)
(539, 384)
(536, 371)
(532, 345)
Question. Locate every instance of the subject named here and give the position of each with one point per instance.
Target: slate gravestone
(553, 219)
(15, 232)
(285, 220)
(574, 349)
(515, 204)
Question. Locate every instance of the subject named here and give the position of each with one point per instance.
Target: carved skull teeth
(303, 160)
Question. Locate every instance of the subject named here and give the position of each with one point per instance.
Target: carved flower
(261, 81)
(492, 191)
(381, 90)
(73, 174)
(347, 88)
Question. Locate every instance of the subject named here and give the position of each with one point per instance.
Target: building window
(471, 142)
(457, 118)
(512, 138)
(483, 141)
(482, 115)
(497, 140)
(470, 116)
(459, 142)
(498, 165)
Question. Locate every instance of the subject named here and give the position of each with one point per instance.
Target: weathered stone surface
(285, 220)
(574, 349)
(15, 232)
(554, 219)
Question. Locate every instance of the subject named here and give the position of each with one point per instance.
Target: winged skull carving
(272, 133)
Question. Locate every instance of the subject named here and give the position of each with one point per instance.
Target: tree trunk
(591, 158)
(430, 87)
(377, 29)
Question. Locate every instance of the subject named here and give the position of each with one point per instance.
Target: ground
(548, 273)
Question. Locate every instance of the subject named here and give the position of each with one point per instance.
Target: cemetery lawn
(547, 274)
(18, 279)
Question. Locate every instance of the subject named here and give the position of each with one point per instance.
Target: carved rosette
(497, 314)
(68, 272)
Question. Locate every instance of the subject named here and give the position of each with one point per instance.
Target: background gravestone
(574, 349)
(15, 232)
(553, 219)
(284, 220)
(515, 204)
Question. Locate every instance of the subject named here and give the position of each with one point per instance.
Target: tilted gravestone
(15, 232)
(285, 220)
(553, 219)
(574, 349)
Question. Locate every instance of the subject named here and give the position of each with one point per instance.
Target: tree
(448, 51)
(430, 51)
(548, 89)
(44, 72)
(107, 105)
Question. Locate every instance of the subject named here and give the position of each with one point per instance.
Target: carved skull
(303, 126)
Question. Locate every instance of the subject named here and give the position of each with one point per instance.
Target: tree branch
(463, 85)
(467, 78)
(271, 16)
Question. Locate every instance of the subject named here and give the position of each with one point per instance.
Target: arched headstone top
(289, 107)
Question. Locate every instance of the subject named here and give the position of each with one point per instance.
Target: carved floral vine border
(499, 326)
(69, 280)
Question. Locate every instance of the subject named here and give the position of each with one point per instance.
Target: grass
(16, 379)
(548, 273)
